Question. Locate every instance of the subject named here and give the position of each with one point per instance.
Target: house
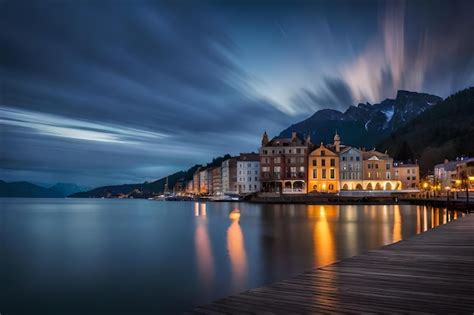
(407, 173)
(248, 172)
(229, 176)
(283, 164)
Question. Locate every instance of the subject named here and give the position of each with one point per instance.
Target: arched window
(331, 187)
(345, 187)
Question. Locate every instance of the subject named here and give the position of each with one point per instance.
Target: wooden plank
(432, 272)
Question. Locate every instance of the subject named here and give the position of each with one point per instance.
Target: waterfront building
(323, 169)
(216, 176)
(445, 173)
(203, 181)
(283, 164)
(229, 176)
(407, 173)
(350, 169)
(248, 172)
(197, 181)
(190, 186)
(378, 171)
(465, 174)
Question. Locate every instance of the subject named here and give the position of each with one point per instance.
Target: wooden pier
(432, 272)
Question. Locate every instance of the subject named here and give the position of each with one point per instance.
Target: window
(323, 153)
(249, 165)
(265, 169)
(343, 158)
(314, 162)
(408, 171)
(302, 169)
(333, 162)
(387, 166)
(323, 174)
(331, 187)
(351, 158)
(277, 160)
(273, 151)
(323, 162)
(277, 169)
(315, 174)
(249, 179)
(408, 178)
(265, 152)
(256, 178)
(413, 178)
(298, 151)
(357, 158)
(256, 172)
(332, 173)
(289, 151)
(376, 166)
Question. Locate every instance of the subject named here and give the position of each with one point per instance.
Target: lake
(111, 255)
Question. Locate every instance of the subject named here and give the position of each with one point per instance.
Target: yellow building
(323, 169)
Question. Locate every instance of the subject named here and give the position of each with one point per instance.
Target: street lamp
(448, 189)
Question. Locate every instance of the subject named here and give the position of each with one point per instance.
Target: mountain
(365, 125)
(66, 189)
(25, 189)
(444, 131)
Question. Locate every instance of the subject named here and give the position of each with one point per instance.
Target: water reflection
(324, 249)
(184, 253)
(236, 249)
(204, 256)
(397, 224)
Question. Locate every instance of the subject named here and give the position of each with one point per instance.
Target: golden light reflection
(236, 249)
(418, 220)
(425, 219)
(203, 209)
(204, 256)
(324, 247)
(196, 209)
(397, 224)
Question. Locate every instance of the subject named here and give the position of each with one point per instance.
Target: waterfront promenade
(432, 272)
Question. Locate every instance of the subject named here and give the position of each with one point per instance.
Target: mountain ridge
(365, 124)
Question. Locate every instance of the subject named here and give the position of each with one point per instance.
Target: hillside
(145, 190)
(445, 131)
(365, 125)
(26, 190)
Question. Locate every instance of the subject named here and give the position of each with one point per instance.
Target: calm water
(139, 255)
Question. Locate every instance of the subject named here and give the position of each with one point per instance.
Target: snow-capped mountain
(365, 124)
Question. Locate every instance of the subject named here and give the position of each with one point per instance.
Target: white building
(248, 173)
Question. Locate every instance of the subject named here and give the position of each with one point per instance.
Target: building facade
(378, 171)
(445, 173)
(216, 175)
(197, 181)
(203, 181)
(350, 169)
(283, 164)
(229, 176)
(465, 174)
(323, 170)
(248, 173)
(407, 173)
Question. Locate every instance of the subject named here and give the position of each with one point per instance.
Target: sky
(110, 92)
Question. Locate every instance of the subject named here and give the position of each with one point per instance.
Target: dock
(432, 272)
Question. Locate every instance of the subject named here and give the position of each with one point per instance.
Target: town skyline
(136, 93)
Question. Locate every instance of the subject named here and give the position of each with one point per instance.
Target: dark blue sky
(105, 92)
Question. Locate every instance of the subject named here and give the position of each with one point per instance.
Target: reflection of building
(248, 165)
(229, 176)
(216, 181)
(445, 173)
(283, 163)
(237, 254)
(407, 173)
(323, 169)
(350, 169)
(378, 171)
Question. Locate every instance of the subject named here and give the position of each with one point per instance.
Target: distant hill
(26, 190)
(146, 190)
(364, 125)
(66, 189)
(445, 131)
